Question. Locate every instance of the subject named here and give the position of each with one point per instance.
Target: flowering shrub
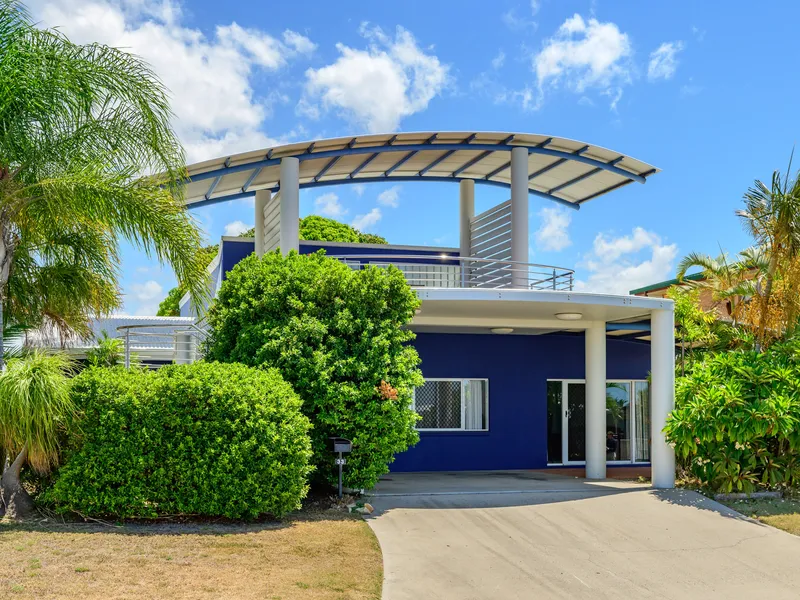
(736, 422)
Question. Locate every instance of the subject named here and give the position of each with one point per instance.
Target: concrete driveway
(531, 535)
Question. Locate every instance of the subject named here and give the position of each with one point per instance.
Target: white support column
(662, 395)
(519, 214)
(466, 212)
(466, 204)
(262, 199)
(290, 205)
(596, 400)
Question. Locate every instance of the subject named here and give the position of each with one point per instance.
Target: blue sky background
(703, 90)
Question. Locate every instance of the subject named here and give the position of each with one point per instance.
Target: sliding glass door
(627, 421)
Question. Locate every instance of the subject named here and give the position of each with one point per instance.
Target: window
(453, 404)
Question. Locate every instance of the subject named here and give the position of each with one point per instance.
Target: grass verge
(326, 557)
(783, 513)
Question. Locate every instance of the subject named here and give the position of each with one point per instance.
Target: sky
(703, 90)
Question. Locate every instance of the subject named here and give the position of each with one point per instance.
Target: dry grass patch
(783, 513)
(320, 558)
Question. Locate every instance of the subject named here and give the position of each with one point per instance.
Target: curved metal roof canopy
(562, 170)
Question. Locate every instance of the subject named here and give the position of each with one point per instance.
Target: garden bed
(317, 555)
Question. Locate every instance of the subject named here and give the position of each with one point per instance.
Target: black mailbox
(340, 444)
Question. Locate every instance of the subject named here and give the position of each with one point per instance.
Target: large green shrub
(337, 335)
(201, 439)
(736, 425)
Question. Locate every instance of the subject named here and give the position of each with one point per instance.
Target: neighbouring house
(521, 371)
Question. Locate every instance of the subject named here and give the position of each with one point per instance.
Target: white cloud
(390, 197)
(617, 265)
(377, 87)
(209, 76)
(499, 60)
(359, 189)
(553, 234)
(364, 222)
(236, 228)
(300, 43)
(582, 55)
(664, 61)
(516, 22)
(328, 205)
(147, 291)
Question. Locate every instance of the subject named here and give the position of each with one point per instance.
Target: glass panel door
(555, 425)
(641, 391)
(576, 422)
(618, 421)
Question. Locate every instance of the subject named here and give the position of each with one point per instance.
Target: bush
(337, 335)
(201, 439)
(735, 425)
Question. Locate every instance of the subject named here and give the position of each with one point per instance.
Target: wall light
(569, 316)
(501, 330)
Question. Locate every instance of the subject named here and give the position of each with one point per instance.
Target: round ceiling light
(501, 330)
(569, 316)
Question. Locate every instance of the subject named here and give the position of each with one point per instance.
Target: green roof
(665, 284)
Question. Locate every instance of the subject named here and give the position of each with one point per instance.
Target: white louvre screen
(490, 238)
(272, 224)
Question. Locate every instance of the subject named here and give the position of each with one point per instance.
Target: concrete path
(528, 535)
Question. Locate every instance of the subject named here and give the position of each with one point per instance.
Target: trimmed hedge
(202, 439)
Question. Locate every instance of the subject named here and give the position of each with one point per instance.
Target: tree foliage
(83, 130)
(200, 439)
(772, 217)
(736, 425)
(337, 335)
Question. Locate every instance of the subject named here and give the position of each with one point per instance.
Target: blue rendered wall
(233, 252)
(518, 368)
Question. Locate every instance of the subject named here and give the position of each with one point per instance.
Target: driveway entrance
(494, 535)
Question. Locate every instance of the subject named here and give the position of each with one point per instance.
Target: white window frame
(463, 404)
(565, 422)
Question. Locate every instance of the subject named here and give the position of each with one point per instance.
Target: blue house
(521, 371)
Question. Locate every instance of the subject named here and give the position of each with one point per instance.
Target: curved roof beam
(560, 170)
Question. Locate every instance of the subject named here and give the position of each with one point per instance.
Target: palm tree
(772, 217)
(83, 130)
(35, 408)
(728, 282)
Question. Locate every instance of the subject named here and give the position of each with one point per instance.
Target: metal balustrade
(144, 343)
(468, 272)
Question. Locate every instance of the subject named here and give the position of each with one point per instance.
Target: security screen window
(453, 404)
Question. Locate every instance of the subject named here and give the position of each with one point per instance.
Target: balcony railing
(155, 343)
(468, 272)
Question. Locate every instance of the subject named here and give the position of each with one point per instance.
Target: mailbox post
(341, 446)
